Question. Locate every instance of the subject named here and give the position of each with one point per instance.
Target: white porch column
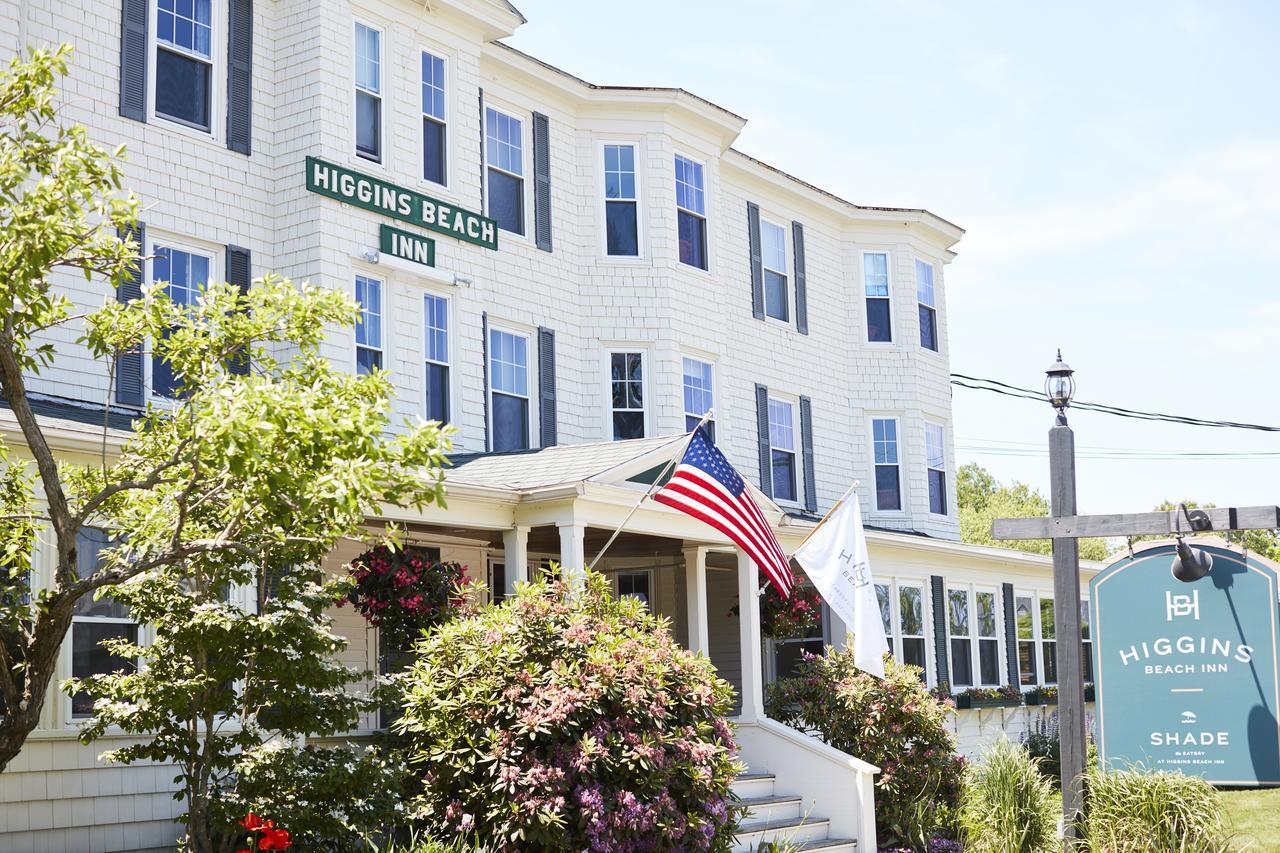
(695, 581)
(749, 638)
(573, 551)
(515, 546)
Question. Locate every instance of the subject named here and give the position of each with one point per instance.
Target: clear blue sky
(1116, 166)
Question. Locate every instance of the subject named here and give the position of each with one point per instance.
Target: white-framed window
(773, 248)
(621, 201)
(504, 156)
(435, 330)
(435, 119)
(875, 284)
(973, 631)
(884, 440)
(186, 270)
(691, 212)
(936, 464)
(185, 62)
(509, 389)
(369, 119)
(927, 302)
(902, 613)
(94, 620)
(1037, 639)
(699, 393)
(626, 394)
(369, 324)
(782, 446)
(637, 584)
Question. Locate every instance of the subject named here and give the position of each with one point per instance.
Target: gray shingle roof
(554, 466)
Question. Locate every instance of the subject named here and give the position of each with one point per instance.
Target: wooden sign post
(1065, 528)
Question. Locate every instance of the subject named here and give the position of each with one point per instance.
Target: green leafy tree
(983, 499)
(266, 470)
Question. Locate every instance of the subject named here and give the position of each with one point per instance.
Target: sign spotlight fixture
(1191, 564)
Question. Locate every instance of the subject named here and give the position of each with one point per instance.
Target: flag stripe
(701, 512)
(726, 521)
(747, 515)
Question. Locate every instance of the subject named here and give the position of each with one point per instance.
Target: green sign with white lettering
(1187, 671)
(403, 244)
(370, 193)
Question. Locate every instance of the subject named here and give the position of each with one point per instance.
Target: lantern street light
(1059, 387)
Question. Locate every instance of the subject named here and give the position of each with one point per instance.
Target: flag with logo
(836, 561)
(705, 486)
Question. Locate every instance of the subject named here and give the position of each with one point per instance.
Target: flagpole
(835, 506)
(657, 480)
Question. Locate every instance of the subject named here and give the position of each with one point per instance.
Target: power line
(978, 383)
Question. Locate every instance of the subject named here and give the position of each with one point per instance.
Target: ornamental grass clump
(565, 719)
(893, 723)
(1008, 805)
(1134, 811)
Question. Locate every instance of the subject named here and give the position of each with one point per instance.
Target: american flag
(705, 486)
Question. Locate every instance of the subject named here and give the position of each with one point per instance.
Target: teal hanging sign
(379, 196)
(1187, 672)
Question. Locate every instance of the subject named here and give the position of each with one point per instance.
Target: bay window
(935, 463)
(928, 307)
(875, 283)
(621, 222)
(691, 212)
(699, 396)
(884, 439)
(626, 394)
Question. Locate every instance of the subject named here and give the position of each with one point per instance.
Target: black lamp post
(1059, 388)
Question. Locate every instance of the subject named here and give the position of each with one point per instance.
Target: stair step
(830, 845)
(749, 785)
(798, 830)
(776, 807)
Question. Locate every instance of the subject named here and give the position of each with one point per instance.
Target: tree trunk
(16, 724)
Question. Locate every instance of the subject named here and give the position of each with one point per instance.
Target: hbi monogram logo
(859, 570)
(1176, 606)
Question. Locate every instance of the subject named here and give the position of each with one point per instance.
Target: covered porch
(509, 516)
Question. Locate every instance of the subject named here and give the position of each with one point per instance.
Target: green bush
(1008, 806)
(328, 798)
(1042, 743)
(1132, 811)
(565, 719)
(893, 723)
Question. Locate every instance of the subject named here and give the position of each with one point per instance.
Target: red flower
(252, 822)
(274, 839)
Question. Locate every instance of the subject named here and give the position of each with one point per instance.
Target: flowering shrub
(570, 720)
(263, 835)
(893, 723)
(329, 795)
(404, 592)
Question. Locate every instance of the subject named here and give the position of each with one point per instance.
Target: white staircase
(773, 818)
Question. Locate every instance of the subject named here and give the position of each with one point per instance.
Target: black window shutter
(484, 361)
(940, 630)
(757, 260)
(484, 180)
(133, 59)
(1010, 632)
(547, 386)
(129, 364)
(238, 274)
(762, 432)
(802, 296)
(806, 450)
(542, 181)
(240, 75)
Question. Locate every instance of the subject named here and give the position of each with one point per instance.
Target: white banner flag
(835, 558)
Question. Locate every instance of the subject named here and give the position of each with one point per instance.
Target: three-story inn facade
(571, 275)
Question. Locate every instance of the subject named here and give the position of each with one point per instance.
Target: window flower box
(989, 697)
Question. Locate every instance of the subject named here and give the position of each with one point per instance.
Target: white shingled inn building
(571, 274)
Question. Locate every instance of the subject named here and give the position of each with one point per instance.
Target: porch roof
(525, 470)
